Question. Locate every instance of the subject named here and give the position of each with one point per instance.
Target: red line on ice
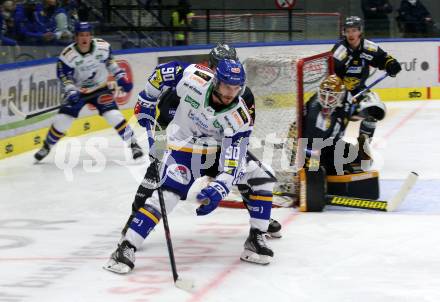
(217, 280)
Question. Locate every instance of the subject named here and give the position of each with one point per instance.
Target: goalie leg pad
(312, 190)
(360, 185)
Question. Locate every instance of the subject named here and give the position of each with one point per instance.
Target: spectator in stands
(29, 30)
(71, 9)
(42, 24)
(7, 25)
(54, 20)
(414, 19)
(181, 18)
(376, 13)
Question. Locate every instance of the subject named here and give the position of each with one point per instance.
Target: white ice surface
(57, 229)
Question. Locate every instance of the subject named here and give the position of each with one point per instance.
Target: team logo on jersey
(179, 173)
(156, 79)
(217, 124)
(351, 82)
(192, 102)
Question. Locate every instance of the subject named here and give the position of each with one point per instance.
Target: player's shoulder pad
(370, 46)
(101, 45)
(199, 74)
(69, 54)
(245, 112)
(239, 118)
(340, 52)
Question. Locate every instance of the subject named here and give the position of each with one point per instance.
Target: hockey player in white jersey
(162, 83)
(83, 68)
(211, 116)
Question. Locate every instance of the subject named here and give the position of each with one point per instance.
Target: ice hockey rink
(60, 220)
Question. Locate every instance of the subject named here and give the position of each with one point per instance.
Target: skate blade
(253, 257)
(274, 235)
(117, 267)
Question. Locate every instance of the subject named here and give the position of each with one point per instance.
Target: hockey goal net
(281, 84)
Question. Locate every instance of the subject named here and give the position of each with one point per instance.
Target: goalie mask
(229, 80)
(331, 93)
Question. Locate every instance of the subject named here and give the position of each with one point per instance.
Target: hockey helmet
(230, 72)
(221, 51)
(83, 27)
(354, 22)
(331, 93)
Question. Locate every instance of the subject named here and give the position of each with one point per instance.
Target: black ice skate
(122, 260)
(43, 152)
(274, 229)
(256, 249)
(136, 150)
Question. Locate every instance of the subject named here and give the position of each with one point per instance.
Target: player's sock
(256, 249)
(144, 221)
(53, 136)
(126, 133)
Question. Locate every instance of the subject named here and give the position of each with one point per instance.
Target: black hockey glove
(393, 67)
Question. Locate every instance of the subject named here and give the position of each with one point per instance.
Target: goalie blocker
(358, 190)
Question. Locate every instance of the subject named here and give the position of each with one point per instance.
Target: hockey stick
(352, 202)
(375, 82)
(25, 116)
(180, 283)
(375, 205)
(260, 164)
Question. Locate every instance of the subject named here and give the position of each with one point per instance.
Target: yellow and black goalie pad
(359, 185)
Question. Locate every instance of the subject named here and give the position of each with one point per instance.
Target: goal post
(281, 84)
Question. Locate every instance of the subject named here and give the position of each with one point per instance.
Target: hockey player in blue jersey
(162, 82)
(211, 120)
(83, 68)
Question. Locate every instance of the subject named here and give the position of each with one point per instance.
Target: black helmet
(354, 21)
(221, 51)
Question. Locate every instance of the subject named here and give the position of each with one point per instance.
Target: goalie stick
(353, 202)
(315, 198)
(25, 116)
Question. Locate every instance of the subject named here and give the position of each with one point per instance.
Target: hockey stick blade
(15, 110)
(184, 284)
(397, 199)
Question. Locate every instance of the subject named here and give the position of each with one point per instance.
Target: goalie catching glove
(210, 197)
